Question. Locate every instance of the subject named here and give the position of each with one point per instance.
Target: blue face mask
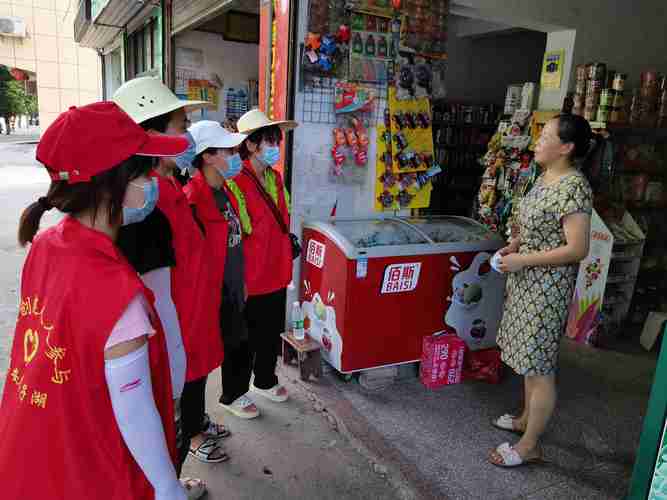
(184, 160)
(271, 155)
(135, 215)
(234, 166)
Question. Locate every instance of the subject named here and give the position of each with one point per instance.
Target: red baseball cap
(88, 140)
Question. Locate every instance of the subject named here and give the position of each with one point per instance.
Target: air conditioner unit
(12, 26)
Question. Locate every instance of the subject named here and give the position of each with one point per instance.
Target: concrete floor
(438, 441)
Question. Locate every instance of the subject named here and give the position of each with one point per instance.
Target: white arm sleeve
(131, 391)
(159, 281)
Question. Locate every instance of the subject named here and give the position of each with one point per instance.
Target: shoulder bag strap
(269, 201)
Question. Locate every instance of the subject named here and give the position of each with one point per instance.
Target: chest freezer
(371, 289)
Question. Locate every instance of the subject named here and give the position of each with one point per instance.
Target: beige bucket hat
(146, 97)
(254, 120)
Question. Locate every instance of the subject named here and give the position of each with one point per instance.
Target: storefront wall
(67, 74)
(234, 63)
(628, 36)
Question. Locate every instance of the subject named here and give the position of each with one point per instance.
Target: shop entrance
(217, 60)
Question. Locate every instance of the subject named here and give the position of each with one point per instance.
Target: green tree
(5, 107)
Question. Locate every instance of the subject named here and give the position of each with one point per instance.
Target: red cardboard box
(484, 365)
(442, 360)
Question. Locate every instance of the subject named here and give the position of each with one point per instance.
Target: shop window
(141, 50)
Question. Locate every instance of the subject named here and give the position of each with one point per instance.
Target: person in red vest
(89, 381)
(267, 253)
(219, 205)
(168, 250)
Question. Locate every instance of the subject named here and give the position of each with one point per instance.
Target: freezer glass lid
(452, 229)
(369, 233)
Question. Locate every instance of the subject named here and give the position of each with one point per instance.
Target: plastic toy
(400, 121)
(401, 141)
(339, 159)
(328, 46)
(339, 137)
(387, 118)
(361, 157)
(370, 45)
(423, 120)
(313, 41)
(325, 62)
(357, 44)
(386, 199)
(388, 179)
(404, 198)
(387, 160)
(351, 137)
(411, 120)
(405, 159)
(344, 34)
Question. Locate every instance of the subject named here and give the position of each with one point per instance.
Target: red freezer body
(359, 327)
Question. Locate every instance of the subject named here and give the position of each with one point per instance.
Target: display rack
(461, 133)
(638, 277)
(623, 272)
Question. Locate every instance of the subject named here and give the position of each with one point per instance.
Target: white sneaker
(241, 407)
(271, 394)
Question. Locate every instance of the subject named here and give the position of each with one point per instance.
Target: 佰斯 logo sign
(401, 277)
(315, 253)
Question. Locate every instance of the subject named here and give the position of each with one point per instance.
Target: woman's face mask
(269, 154)
(140, 200)
(184, 160)
(228, 163)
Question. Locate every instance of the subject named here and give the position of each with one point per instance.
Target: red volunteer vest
(58, 434)
(267, 251)
(197, 304)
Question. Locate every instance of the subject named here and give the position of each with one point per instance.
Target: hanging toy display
(327, 42)
(350, 148)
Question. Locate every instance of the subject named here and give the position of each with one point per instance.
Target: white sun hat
(146, 97)
(254, 120)
(209, 134)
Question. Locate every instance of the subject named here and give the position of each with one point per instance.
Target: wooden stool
(306, 353)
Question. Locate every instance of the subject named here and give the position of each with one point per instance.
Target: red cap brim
(163, 145)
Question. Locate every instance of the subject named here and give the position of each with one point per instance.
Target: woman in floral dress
(542, 263)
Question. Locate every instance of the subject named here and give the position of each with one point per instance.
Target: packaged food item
(619, 82)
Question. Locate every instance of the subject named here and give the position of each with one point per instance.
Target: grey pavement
(21, 136)
(439, 440)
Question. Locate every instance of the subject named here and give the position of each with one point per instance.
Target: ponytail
(30, 218)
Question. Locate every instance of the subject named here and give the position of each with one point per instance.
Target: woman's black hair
(76, 198)
(272, 134)
(158, 123)
(574, 129)
(198, 160)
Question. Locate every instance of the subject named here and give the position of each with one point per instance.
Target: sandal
(271, 394)
(506, 423)
(213, 429)
(194, 488)
(240, 408)
(209, 452)
(511, 457)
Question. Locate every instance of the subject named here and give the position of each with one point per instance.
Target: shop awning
(190, 13)
(99, 22)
